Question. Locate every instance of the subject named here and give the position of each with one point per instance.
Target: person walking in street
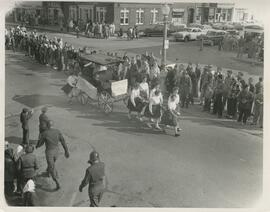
(96, 179)
(153, 109)
(24, 118)
(171, 117)
(51, 138)
(27, 166)
(144, 88)
(135, 101)
(245, 100)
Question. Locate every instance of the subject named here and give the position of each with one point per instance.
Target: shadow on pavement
(18, 140)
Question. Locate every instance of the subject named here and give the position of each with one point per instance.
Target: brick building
(126, 15)
(123, 15)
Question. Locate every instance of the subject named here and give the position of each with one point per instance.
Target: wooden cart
(112, 90)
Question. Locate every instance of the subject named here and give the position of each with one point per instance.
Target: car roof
(193, 28)
(100, 59)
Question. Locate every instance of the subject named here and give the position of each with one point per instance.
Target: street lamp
(165, 10)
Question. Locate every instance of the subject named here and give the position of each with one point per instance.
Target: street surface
(214, 163)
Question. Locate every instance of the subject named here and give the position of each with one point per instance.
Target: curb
(48, 29)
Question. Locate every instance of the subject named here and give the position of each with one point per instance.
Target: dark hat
(240, 73)
(25, 110)
(229, 71)
(245, 86)
(29, 148)
(94, 156)
(220, 76)
(44, 109)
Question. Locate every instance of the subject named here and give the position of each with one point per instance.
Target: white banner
(119, 87)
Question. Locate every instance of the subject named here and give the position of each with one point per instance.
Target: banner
(119, 87)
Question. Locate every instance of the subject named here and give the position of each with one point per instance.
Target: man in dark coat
(218, 96)
(198, 75)
(185, 88)
(10, 170)
(192, 76)
(171, 79)
(43, 120)
(133, 73)
(24, 118)
(245, 99)
(27, 165)
(95, 177)
(259, 85)
(51, 137)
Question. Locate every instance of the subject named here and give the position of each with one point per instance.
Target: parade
(124, 122)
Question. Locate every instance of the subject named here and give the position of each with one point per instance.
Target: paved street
(178, 51)
(214, 163)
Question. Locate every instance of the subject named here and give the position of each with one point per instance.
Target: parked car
(212, 37)
(157, 30)
(234, 33)
(188, 34)
(203, 27)
(223, 26)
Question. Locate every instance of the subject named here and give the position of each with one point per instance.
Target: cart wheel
(108, 107)
(105, 102)
(83, 98)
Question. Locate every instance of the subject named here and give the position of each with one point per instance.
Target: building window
(154, 15)
(100, 14)
(229, 15)
(80, 13)
(139, 16)
(124, 17)
(72, 13)
(198, 13)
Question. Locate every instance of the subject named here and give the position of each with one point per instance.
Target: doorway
(190, 15)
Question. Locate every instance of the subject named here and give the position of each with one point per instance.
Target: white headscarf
(18, 153)
(29, 187)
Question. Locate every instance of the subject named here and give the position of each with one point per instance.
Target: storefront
(224, 12)
(178, 16)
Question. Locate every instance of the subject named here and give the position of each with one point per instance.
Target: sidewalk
(49, 28)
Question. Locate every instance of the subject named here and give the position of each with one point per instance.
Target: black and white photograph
(131, 104)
